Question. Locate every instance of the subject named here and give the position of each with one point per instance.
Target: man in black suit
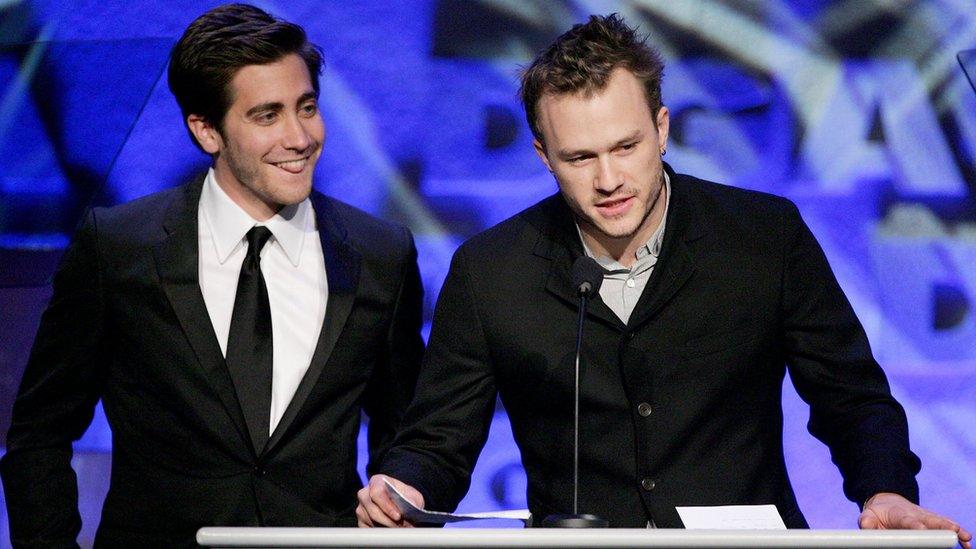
(234, 328)
(709, 294)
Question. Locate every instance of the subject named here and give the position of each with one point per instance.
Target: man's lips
(615, 207)
(292, 166)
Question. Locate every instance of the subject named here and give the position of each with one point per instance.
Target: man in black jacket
(233, 327)
(710, 293)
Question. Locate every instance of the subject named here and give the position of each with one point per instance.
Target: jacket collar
(342, 267)
(177, 263)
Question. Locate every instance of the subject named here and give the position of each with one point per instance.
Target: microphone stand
(577, 520)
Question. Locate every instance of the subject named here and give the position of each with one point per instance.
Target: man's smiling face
(271, 137)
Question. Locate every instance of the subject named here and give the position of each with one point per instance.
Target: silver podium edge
(553, 538)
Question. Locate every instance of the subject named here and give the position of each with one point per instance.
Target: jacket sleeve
(447, 424)
(831, 365)
(55, 402)
(392, 386)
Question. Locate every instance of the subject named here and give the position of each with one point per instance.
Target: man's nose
(608, 177)
(296, 135)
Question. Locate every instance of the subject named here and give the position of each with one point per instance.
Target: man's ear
(540, 150)
(663, 123)
(205, 133)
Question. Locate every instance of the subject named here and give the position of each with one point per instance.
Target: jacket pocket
(716, 343)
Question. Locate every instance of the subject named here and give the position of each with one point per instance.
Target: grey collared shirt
(622, 286)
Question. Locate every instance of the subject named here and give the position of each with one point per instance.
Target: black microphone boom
(587, 278)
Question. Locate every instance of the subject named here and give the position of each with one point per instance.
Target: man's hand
(377, 509)
(886, 511)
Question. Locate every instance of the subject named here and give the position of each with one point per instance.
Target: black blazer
(127, 323)
(681, 406)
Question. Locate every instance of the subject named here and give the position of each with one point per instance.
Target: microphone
(587, 278)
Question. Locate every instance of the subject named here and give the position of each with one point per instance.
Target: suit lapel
(342, 264)
(676, 262)
(178, 268)
(560, 243)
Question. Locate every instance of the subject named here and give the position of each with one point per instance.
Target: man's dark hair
(582, 59)
(222, 41)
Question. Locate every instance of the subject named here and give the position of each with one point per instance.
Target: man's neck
(245, 198)
(622, 250)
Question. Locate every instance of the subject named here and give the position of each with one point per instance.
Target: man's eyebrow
(564, 153)
(264, 107)
(308, 95)
(632, 137)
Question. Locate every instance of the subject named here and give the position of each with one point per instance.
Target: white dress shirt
(294, 272)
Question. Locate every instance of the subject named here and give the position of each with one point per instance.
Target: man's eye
(628, 146)
(310, 109)
(266, 118)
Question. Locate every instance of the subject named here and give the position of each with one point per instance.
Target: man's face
(271, 139)
(605, 151)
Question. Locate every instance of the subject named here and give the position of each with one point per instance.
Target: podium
(552, 538)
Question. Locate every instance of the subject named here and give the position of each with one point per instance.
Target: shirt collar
(229, 223)
(650, 248)
(653, 246)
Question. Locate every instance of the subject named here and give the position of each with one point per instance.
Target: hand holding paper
(418, 515)
(377, 508)
(388, 502)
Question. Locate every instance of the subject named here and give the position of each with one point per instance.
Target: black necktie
(249, 350)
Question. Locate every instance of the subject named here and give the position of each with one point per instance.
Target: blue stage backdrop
(855, 109)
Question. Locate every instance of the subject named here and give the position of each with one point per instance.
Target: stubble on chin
(589, 224)
(288, 196)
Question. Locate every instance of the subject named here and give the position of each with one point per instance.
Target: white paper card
(731, 517)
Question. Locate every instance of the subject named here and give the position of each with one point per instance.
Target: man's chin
(612, 232)
(297, 199)
(292, 192)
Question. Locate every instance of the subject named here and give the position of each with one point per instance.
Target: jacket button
(631, 335)
(648, 484)
(259, 471)
(644, 409)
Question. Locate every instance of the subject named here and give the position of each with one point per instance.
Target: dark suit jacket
(741, 292)
(127, 323)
